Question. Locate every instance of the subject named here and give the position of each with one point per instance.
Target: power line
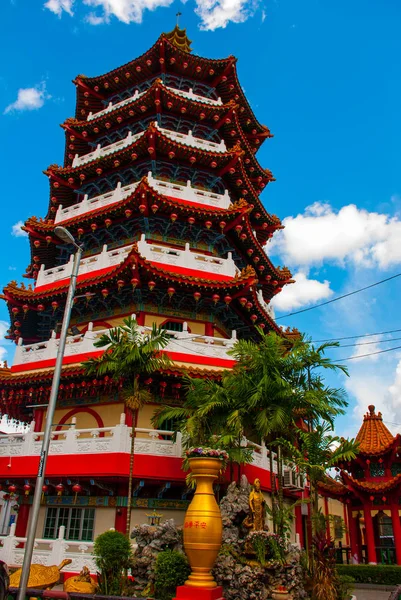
(351, 337)
(365, 343)
(370, 354)
(298, 312)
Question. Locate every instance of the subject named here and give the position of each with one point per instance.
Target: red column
(209, 329)
(120, 520)
(22, 520)
(128, 416)
(346, 523)
(370, 537)
(353, 533)
(38, 415)
(140, 318)
(298, 525)
(395, 517)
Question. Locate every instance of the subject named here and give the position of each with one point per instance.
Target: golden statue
(257, 504)
(40, 577)
(81, 584)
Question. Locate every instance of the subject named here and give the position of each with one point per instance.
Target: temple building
(369, 489)
(161, 184)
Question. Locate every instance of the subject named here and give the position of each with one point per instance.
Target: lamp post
(65, 236)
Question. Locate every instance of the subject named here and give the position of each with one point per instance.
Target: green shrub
(377, 574)
(345, 586)
(112, 554)
(172, 569)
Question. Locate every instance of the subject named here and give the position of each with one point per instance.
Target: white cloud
(368, 350)
(350, 235)
(17, 230)
(301, 293)
(58, 6)
(29, 99)
(213, 13)
(3, 351)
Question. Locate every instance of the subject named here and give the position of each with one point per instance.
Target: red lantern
(76, 488)
(202, 116)
(36, 243)
(154, 208)
(215, 298)
(384, 499)
(88, 297)
(107, 222)
(142, 208)
(25, 308)
(93, 227)
(238, 228)
(80, 232)
(15, 310)
(12, 489)
(227, 300)
(371, 498)
(82, 177)
(54, 306)
(171, 155)
(120, 284)
(99, 171)
(45, 488)
(197, 296)
(213, 164)
(48, 239)
(27, 489)
(242, 301)
(60, 489)
(249, 305)
(191, 221)
(192, 159)
(128, 213)
(151, 285)
(262, 325)
(171, 292)
(256, 259)
(173, 217)
(17, 324)
(134, 156)
(208, 224)
(249, 251)
(134, 282)
(243, 236)
(105, 292)
(222, 224)
(254, 318)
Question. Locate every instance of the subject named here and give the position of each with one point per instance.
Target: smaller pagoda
(370, 488)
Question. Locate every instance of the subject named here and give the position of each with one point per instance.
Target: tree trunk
(130, 477)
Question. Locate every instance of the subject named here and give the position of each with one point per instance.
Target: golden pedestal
(203, 525)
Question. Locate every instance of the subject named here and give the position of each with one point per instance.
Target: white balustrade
(188, 259)
(187, 193)
(137, 94)
(106, 258)
(48, 552)
(88, 204)
(106, 150)
(183, 138)
(189, 140)
(83, 344)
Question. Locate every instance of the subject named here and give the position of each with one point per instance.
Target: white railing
(268, 307)
(189, 140)
(77, 345)
(112, 106)
(183, 138)
(137, 94)
(119, 193)
(106, 258)
(187, 258)
(100, 152)
(189, 193)
(48, 552)
(96, 440)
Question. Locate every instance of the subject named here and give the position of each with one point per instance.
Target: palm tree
(209, 416)
(130, 354)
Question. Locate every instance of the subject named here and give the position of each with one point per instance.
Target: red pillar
(120, 519)
(128, 416)
(38, 415)
(22, 520)
(140, 319)
(353, 533)
(346, 523)
(298, 525)
(395, 517)
(209, 329)
(370, 537)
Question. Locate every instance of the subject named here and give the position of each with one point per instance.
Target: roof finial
(178, 15)
(371, 408)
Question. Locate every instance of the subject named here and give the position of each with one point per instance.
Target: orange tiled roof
(373, 486)
(331, 487)
(374, 438)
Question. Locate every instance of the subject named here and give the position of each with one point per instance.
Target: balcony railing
(183, 138)
(82, 344)
(187, 193)
(187, 258)
(154, 252)
(138, 94)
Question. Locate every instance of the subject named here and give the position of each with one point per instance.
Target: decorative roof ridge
(374, 437)
(333, 486)
(179, 38)
(372, 486)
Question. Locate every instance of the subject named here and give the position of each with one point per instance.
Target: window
(377, 470)
(395, 469)
(78, 523)
(338, 527)
(173, 326)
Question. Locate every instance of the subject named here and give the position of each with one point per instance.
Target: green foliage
(377, 574)
(112, 553)
(172, 569)
(345, 587)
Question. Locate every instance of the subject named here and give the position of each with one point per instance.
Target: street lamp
(65, 236)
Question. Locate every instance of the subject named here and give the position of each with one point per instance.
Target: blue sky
(324, 77)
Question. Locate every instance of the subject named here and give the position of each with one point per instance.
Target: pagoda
(370, 488)
(161, 184)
